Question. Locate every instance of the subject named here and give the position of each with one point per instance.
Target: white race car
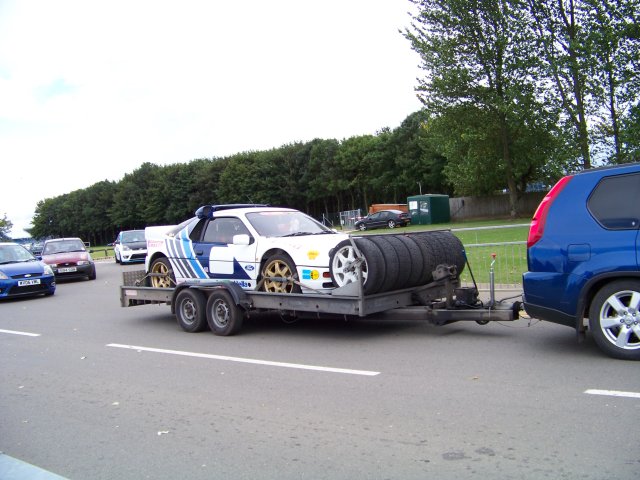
(254, 246)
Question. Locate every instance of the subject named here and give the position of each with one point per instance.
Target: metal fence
(349, 218)
(510, 263)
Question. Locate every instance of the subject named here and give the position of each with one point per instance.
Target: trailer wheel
(165, 277)
(223, 315)
(190, 309)
(342, 269)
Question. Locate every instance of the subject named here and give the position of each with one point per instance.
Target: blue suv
(583, 253)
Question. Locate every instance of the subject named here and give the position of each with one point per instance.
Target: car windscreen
(133, 236)
(14, 253)
(63, 246)
(283, 224)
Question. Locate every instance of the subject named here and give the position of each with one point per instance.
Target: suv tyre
(614, 319)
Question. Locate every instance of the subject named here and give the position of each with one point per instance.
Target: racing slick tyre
(190, 306)
(342, 266)
(426, 255)
(392, 263)
(404, 262)
(614, 319)
(163, 274)
(453, 249)
(276, 269)
(445, 249)
(417, 262)
(223, 315)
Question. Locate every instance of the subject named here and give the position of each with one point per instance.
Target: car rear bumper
(549, 314)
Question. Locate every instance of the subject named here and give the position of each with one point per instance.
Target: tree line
(514, 92)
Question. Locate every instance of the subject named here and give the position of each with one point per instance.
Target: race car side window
(222, 230)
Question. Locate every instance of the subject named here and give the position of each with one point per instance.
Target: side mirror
(242, 239)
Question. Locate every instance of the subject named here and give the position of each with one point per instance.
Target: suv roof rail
(206, 211)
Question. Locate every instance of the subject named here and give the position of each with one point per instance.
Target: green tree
(323, 174)
(480, 73)
(562, 30)
(133, 197)
(5, 228)
(614, 42)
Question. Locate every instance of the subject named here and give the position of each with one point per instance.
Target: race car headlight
(53, 265)
(3, 276)
(126, 247)
(48, 270)
(83, 262)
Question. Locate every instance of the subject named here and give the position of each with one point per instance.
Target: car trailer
(223, 305)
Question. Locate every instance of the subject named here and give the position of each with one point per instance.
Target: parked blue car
(583, 255)
(22, 274)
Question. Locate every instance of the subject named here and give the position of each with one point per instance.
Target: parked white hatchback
(130, 246)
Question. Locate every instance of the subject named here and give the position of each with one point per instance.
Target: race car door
(225, 259)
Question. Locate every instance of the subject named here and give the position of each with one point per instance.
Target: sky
(91, 90)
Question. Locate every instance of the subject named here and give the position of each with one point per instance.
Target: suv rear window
(615, 202)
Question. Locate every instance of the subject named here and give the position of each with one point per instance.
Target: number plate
(33, 281)
(67, 269)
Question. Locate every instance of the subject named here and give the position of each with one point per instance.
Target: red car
(69, 258)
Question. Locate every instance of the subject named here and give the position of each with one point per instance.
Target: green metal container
(429, 209)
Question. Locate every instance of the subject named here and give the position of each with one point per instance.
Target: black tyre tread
(391, 262)
(432, 259)
(454, 249)
(404, 262)
(425, 254)
(376, 268)
(416, 260)
(447, 249)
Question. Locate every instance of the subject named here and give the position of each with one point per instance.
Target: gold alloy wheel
(278, 266)
(162, 277)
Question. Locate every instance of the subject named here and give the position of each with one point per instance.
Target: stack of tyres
(394, 262)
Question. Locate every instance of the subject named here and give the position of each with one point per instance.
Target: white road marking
(613, 393)
(247, 360)
(14, 332)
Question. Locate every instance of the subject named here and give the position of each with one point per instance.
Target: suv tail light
(540, 217)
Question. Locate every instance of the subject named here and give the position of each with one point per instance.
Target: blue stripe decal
(174, 258)
(193, 262)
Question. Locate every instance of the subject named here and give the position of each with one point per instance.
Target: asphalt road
(90, 398)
